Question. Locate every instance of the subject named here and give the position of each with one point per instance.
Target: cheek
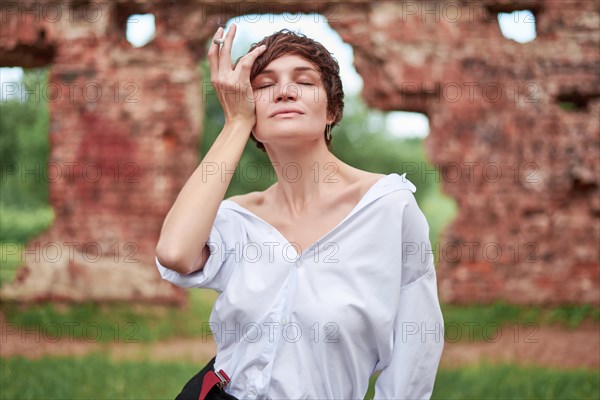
(261, 101)
(261, 111)
(316, 99)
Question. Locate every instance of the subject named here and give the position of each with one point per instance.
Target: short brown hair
(286, 42)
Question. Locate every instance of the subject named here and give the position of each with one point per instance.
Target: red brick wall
(523, 171)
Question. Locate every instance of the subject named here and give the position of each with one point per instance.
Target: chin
(287, 128)
(294, 140)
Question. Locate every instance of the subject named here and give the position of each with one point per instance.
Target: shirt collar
(388, 184)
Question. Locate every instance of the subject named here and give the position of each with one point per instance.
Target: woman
(325, 277)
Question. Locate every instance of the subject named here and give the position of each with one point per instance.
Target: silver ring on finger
(219, 41)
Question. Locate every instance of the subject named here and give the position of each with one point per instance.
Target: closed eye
(271, 84)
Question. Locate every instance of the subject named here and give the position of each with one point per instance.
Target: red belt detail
(212, 378)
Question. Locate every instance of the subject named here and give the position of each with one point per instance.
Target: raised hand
(233, 85)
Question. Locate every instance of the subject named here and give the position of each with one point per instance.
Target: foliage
(512, 382)
(91, 377)
(103, 323)
(24, 146)
(21, 224)
(148, 323)
(476, 322)
(574, 315)
(96, 376)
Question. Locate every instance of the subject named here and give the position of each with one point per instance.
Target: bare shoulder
(362, 174)
(248, 200)
(376, 175)
(362, 182)
(369, 178)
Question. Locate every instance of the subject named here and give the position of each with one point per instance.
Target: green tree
(24, 148)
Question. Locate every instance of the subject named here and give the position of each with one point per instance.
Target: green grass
(512, 382)
(572, 315)
(91, 377)
(10, 260)
(478, 322)
(19, 224)
(146, 323)
(97, 377)
(506, 381)
(127, 323)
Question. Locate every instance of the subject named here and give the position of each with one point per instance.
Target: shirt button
(252, 391)
(299, 263)
(284, 321)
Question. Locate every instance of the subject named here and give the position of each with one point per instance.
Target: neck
(306, 174)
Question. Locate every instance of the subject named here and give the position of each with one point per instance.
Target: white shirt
(317, 325)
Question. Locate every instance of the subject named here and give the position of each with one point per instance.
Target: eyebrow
(297, 69)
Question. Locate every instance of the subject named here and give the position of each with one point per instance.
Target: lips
(286, 110)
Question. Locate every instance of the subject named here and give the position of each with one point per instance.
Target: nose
(289, 91)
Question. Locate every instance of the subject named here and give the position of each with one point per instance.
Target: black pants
(191, 390)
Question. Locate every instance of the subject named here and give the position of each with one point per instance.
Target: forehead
(289, 63)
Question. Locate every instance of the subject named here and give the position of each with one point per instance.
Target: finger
(225, 54)
(213, 54)
(245, 65)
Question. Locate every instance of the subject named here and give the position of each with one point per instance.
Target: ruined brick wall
(523, 170)
(124, 130)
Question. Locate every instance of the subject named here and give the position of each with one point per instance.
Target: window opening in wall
(518, 25)
(140, 29)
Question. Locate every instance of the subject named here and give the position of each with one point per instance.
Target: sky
(518, 26)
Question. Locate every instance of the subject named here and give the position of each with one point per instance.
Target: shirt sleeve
(418, 335)
(225, 242)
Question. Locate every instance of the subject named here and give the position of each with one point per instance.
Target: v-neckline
(331, 231)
